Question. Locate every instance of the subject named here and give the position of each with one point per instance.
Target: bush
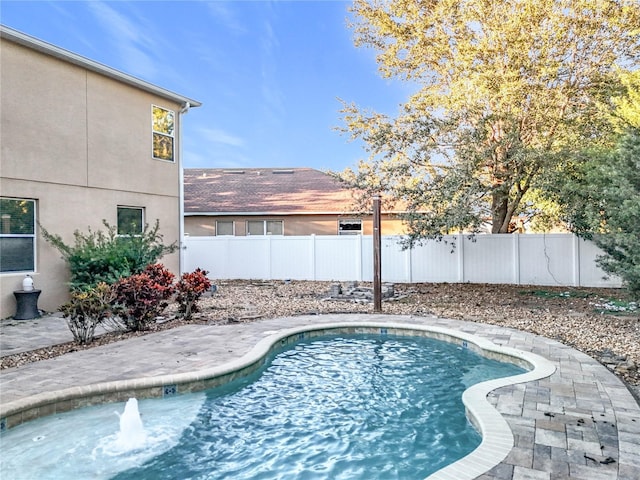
(88, 309)
(106, 257)
(143, 296)
(189, 289)
(602, 200)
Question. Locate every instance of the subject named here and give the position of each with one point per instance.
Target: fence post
(358, 257)
(269, 258)
(460, 258)
(312, 255)
(516, 258)
(576, 261)
(408, 264)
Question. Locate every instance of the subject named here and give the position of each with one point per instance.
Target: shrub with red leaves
(189, 289)
(144, 296)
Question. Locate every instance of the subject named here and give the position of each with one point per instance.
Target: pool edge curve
(497, 438)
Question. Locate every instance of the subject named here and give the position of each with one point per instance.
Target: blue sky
(267, 73)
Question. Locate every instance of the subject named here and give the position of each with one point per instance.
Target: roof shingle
(264, 190)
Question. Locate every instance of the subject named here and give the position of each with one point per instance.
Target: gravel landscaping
(602, 323)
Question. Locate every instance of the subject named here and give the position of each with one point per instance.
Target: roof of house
(67, 56)
(259, 191)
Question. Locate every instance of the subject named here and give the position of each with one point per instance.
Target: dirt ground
(602, 323)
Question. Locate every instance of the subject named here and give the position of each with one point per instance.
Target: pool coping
(497, 437)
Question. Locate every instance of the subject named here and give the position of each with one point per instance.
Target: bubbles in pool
(84, 443)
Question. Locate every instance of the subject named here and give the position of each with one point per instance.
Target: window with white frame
(163, 126)
(265, 227)
(349, 227)
(224, 227)
(130, 220)
(17, 235)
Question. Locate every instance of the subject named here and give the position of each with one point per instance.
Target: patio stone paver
(566, 426)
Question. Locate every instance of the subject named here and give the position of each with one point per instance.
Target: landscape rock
(563, 314)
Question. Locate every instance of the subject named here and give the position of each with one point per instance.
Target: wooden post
(377, 257)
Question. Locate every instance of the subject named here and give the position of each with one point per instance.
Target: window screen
(130, 220)
(255, 227)
(17, 235)
(224, 227)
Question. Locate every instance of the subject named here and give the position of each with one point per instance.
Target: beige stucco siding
(203, 225)
(43, 121)
(80, 144)
(63, 124)
(62, 209)
(119, 119)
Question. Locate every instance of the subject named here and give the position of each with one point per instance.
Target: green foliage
(602, 203)
(98, 256)
(503, 90)
(144, 296)
(627, 112)
(189, 289)
(88, 309)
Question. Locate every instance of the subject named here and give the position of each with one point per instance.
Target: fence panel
(553, 259)
(435, 262)
(487, 258)
(590, 273)
(547, 260)
(291, 258)
(337, 257)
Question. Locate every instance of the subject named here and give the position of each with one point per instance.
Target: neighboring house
(81, 142)
(273, 201)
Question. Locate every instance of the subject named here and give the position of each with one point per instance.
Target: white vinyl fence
(528, 259)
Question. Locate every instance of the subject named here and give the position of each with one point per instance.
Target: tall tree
(503, 88)
(600, 195)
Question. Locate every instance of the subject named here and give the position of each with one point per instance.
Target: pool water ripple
(352, 407)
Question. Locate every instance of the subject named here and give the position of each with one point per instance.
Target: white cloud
(226, 16)
(130, 38)
(213, 158)
(272, 94)
(218, 136)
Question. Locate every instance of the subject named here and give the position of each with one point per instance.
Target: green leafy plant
(189, 289)
(104, 256)
(144, 296)
(88, 309)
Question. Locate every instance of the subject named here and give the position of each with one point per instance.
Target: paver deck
(579, 423)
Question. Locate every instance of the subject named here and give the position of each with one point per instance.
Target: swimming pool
(356, 407)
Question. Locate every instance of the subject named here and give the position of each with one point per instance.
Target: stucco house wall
(76, 137)
(205, 225)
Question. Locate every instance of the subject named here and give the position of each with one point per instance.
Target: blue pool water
(348, 407)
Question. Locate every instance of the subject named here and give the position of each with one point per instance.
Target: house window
(224, 227)
(349, 227)
(163, 133)
(255, 227)
(265, 227)
(17, 235)
(130, 220)
(274, 227)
